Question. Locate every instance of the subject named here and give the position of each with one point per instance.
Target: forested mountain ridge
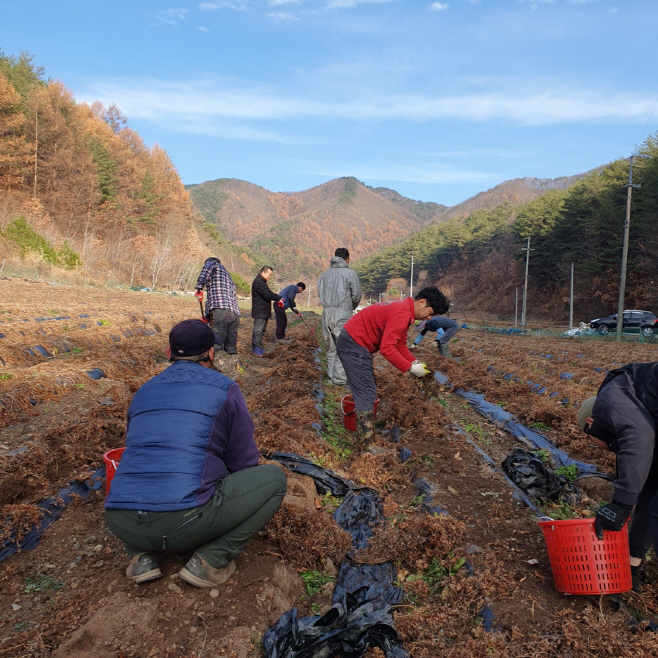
(478, 258)
(516, 191)
(298, 232)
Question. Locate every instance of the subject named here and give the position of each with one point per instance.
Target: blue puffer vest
(170, 422)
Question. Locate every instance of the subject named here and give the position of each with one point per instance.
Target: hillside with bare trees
(83, 198)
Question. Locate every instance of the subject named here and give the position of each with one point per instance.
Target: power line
(649, 119)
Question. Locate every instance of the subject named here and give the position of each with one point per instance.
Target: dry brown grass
(414, 542)
(306, 537)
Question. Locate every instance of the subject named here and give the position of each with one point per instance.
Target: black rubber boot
(444, 350)
(365, 427)
(635, 575)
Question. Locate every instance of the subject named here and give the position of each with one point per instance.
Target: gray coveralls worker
(339, 289)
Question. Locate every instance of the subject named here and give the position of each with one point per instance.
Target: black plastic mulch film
(52, 510)
(361, 615)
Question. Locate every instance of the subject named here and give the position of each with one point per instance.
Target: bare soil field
(69, 596)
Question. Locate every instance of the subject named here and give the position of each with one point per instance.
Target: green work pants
(217, 531)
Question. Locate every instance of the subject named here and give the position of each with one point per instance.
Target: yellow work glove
(419, 369)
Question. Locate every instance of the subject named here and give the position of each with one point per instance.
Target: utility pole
(525, 286)
(309, 296)
(516, 307)
(624, 253)
(571, 300)
(411, 281)
(36, 150)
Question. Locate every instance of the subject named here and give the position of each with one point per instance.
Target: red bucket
(111, 459)
(584, 564)
(349, 412)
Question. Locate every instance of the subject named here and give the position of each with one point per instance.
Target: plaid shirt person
(219, 287)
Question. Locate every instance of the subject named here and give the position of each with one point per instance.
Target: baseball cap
(191, 337)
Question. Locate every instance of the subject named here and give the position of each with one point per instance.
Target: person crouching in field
(622, 417)
(445, 329)
(382, 328)
(189, 478)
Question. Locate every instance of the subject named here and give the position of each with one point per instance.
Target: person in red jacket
(382, 328)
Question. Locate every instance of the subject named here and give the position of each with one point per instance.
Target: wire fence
(537, 330)
(77, 277)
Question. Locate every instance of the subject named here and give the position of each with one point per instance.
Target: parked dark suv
(642, 321)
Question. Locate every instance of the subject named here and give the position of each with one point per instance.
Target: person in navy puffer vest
(189, 478)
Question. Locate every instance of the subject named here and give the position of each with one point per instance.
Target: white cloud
(281, 17)
(345, 4)
(222, 107)
(203, 29)
(171, 16)
(534, 4)
(238, 5)
(613, 10)
(438, 6)
(278, 3)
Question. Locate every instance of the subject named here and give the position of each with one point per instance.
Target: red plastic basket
(349, 412)
(111, 459)
(584, 564)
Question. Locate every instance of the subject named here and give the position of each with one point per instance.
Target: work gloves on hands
(280, 303)
(418, 339)
(419, 369)
(297, 313)
(611, 517)
(199, 295)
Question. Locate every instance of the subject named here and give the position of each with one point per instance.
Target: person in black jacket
(622, 417)
(261, 308)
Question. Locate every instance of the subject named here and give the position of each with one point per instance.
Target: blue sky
(437, 100)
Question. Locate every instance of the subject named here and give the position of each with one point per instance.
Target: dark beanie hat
(191, 337)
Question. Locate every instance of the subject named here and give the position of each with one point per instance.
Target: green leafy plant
(330, 502)
(560, 511)
(569, 473)
(442, 401)
(538, 425)
(437, 572)
(104, 323)
(315, 580)
(77, 350)
(417, 500)
(40, 583)
(6, 375)
(543, 454)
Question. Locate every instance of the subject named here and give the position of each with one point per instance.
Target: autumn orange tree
(15, 151)
(80, 176)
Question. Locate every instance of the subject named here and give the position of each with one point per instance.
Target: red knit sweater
(383, 328)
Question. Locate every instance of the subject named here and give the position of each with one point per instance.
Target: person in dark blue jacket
(445, 329)
(189, 477)
(287, 295)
